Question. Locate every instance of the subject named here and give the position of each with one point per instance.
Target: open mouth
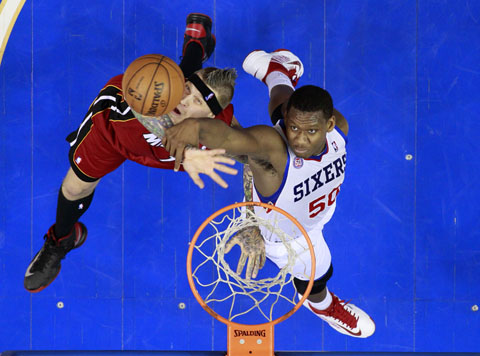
(176, 111)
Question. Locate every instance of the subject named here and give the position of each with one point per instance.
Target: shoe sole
(196, 17)
(253, 56)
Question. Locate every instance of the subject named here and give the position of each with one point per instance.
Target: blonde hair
(222, 81)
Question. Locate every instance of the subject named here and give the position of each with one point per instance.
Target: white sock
(277, 78)
(324, 304)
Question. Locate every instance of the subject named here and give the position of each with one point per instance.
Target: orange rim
(191, 248)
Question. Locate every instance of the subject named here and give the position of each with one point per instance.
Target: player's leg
(343, 316)
(280, 71)
(90, 159)
(74, 198)
(198, 43)
(66, 234)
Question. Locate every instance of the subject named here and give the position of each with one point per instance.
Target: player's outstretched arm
(256, 141)
(198, 161)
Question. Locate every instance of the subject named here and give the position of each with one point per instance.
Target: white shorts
(278, 254)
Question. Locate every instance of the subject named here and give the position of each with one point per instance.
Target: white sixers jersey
(310, 186)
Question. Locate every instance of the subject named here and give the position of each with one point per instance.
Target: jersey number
(318, 205)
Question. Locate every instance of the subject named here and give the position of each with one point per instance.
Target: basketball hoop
(243, 338)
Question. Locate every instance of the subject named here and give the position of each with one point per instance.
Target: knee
(76, 189)
(318, 285)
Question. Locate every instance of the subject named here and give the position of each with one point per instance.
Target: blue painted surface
(209, 353)
(404, 238)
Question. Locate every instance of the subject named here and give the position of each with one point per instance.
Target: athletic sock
(277, 78)
(68, 213)
(325, 303)
(192, 60)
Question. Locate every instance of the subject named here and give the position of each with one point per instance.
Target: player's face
(192, 105)
(307, 131)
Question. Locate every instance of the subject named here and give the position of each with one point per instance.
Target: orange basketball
(153, 85)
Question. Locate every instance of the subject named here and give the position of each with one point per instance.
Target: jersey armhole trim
(342, 134)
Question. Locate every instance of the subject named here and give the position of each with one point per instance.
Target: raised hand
(198, 161)
(252, 245)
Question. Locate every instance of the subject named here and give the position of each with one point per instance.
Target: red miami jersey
(310, 185)
(110, 134)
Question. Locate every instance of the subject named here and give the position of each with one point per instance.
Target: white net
(233, 296)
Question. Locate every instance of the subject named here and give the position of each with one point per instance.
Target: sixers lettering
(316, 181)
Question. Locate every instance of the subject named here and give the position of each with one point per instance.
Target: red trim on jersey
(320, 156)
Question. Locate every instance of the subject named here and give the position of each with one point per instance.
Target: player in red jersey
(112, 133)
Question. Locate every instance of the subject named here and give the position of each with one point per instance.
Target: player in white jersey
(298, 165)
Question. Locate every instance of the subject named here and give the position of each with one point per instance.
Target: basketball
(153, 85)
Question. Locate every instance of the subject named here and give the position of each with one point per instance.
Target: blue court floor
(405, 238)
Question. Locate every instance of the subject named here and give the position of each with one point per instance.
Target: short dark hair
(310, 98)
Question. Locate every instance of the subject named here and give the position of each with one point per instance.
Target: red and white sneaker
(260, 64)
(344, 317)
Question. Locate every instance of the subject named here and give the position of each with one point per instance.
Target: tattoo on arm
(156, 125)
(248, 185)
(243, 159)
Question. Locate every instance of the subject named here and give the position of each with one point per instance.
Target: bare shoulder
(270, 143)
(340, 121)
(273, 146)
(266, 135)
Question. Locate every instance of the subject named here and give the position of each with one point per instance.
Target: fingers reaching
(217, 179)
(256, 267)
(225, 169)
(262, 260)
(178, 154)
(229, 245)
(241, 263)
(196, 161)
(252, 248)
(197, 180)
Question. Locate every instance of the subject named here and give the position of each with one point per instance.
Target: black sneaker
(199, 30)
(45, 266)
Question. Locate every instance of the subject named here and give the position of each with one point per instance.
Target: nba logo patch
(335, 147)
(298, 162)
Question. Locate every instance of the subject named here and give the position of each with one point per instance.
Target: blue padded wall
(405, 237)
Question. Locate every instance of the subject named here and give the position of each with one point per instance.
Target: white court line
(9, 10)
